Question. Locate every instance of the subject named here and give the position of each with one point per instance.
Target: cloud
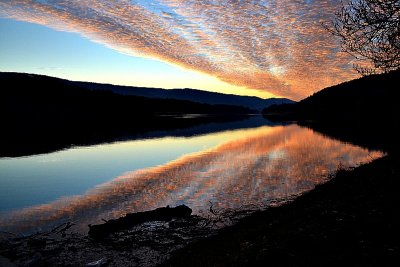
(275, 46)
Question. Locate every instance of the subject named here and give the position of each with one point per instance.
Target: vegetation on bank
(371, 99)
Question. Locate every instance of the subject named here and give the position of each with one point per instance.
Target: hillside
(200, 96)
(37, 92)
(363, 111)
(368, 98)
(41, 113)
(193, 95)
(351, 220)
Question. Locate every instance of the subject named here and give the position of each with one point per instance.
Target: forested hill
(194, 95)
(372, 98)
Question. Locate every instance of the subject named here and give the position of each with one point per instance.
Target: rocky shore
(350, 221)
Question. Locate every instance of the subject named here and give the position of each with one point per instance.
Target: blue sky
(263, 48)
(33, 48)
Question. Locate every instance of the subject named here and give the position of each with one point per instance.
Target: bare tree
(370, 31)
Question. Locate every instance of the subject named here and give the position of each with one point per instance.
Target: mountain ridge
(189, 94)
(370, 97)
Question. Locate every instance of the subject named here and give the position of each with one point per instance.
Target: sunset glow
(278, 48)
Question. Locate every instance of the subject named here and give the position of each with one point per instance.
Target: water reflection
(264, 164)
(39, 179)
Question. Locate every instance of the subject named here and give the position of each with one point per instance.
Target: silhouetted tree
(370, 31)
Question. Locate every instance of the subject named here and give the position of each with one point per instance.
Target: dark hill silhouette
(190, 95)
(193, 95)
(360, 110)
(370, 97)
(41, 114)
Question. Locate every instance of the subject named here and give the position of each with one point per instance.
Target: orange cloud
(275, 46)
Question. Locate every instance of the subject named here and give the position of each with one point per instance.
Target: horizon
(275, 49)
(133, 86)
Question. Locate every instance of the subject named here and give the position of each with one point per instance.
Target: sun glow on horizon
(93, 62)
(268, 48)
(187, 79)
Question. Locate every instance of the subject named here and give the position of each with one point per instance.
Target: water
(40, 179)
(234, 169)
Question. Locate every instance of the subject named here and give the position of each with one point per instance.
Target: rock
(100, 231)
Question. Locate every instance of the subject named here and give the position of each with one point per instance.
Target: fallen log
(100, 231)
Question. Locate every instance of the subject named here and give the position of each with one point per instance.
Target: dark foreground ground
(353, 220)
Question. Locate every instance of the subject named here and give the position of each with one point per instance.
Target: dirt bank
(351, 220)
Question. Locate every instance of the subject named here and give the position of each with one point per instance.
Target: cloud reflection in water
(265, 164)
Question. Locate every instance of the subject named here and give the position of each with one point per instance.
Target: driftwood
(100, 231)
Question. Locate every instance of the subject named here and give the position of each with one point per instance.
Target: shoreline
(349, 220)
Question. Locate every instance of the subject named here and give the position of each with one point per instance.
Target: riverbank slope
(351, 220)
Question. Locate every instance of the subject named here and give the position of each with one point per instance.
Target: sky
(263, 48)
